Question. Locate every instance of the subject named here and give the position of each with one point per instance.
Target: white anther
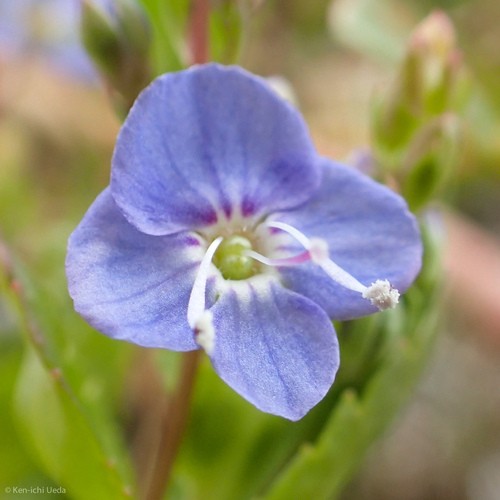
(204, 332)
(382, 294)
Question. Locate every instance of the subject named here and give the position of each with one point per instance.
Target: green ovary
(231, 260)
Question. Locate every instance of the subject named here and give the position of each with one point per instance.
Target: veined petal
(129, 285)
(274, 347)
(370, 234)
(208, 141)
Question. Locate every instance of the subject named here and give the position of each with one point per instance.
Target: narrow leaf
(52, 421)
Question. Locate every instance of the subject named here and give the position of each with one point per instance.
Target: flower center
(232, 259)
(236, 259)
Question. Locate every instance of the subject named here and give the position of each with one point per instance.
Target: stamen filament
(286, 262)
(292, 231)
(196, 306)
(380, 293)
(340, 276)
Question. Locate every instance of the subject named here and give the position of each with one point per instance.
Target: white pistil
(199, 318)
(380, 293)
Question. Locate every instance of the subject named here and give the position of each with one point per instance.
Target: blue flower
(222, 228)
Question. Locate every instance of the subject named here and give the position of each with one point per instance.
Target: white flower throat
(241, 254)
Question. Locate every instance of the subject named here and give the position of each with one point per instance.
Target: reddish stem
(175, 419)
(198, 31)
(174, 424)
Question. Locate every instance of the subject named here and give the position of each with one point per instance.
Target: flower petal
(208, 141)
(370, 234)
(274, 347)
(129, 285)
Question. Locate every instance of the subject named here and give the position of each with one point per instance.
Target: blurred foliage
(476, 100)
(378, 31)
(68, 388)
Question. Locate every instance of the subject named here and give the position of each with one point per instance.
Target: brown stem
(174, 420)
(198, 31)
(174, 423)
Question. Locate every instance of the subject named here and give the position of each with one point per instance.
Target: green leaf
(169, 20)
(170, 26)
(76, 444)
(54, 424)
(15, 463)
(225, 31)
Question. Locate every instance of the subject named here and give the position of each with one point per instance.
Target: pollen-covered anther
(382, 295)
(204, 332)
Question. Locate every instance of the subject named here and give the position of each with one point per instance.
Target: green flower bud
(433, 44)
(396, 115)
(429, 160)
(118, 40)
(411, 124)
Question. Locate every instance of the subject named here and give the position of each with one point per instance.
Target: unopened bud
(396, 113)
(117, 36)
(429, 159)
(434, 44)
(430, 83)
(435, 33)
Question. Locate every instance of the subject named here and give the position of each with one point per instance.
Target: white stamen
(284, 262)
(318, 249)
(300, 237)
(196, 306)
(382, 294)
(340, 276)
(205, 332)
